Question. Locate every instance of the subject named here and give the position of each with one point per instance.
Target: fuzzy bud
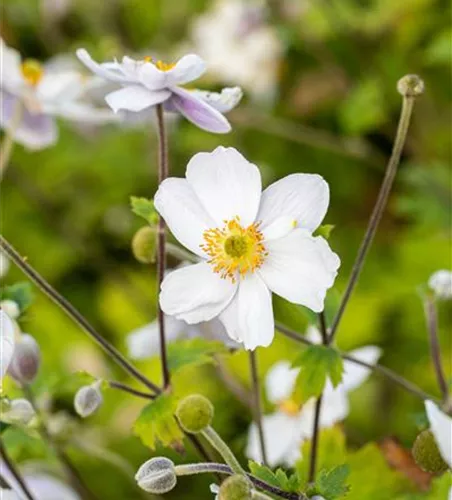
(20, 411)
(195, 413)
(157, 476)
(26, 360)
(427, 455)
(235, 488)
(11, 308)
(88, 399)
(144, 245)
(410, 86)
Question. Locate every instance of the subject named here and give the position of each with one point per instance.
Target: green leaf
(144, 208)
(317, 362)
(194, 352)
(331, 484)
(280, 479)
(157, 424)
(324, 231)
(21, 293)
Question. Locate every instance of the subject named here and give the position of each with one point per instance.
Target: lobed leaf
(21, 293)
(279, 478)
(192, 352)
(143, 207)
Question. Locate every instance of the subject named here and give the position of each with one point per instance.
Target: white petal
(135, 98)
(282, 440)
(195, 293)
(279, 228)
(6, 342)
(214, 330)
(335, 406)
(355, 375)
(249, 317)
(441, 283)
(226, 184)
(187, 69)
(441, 427)
(103, 70)
(150, 76)
(313, 334)
(304, 197)
(11, 77)
(186, 218)
(280, 382)
(222, 101)
(300, 268)
(46, 487)
(60, 86)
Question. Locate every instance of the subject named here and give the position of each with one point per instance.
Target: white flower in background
(18, 411)
(32, 96)
(4, 264)
(251, 243)
(7, 329)
(441, 427)
(8, 494)
(146, 84)
(441, 284)
(290, 425)
(11, 308)
(215, 489)
(239, 46)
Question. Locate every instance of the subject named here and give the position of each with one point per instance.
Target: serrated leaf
(21, 293)
(279, 478)
(144, 208)
(324, 231)
(157, 424)
(196, 351)
(331, 484)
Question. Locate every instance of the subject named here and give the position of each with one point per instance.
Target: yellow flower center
(289, 407)
(234, 249)
(32, 71)
(162, 66)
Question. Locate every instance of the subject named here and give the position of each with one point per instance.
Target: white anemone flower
(7, 330)
(287, 428)
(32, 96)
(146, 84)
(441, 427)
(441, 284)
(251, 243)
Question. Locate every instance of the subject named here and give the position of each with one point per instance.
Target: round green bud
(144, 244)
(157, 476)
(410, 86)
(194, 413)
(427, 455)
(235, 488)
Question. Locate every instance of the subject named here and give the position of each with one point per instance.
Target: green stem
(14, 471)
(257, 407)
(223, 449)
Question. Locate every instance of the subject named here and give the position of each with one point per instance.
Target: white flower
(239, 46)
(441, 427)
(146, 84)
(11, 308)
(215, 489)
(290, 425)
(7, 329)
(32, 96)
(4, 264)
(20, 411)
(441, 283)
(251, 243)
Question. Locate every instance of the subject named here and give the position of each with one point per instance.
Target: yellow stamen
(32, 71)
(162, 66)
(147, 59)
(289, 407)
(234, 249)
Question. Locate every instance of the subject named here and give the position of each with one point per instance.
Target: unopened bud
(144, 244)
(157, 476)
(26, 359)
(410, 86)
(427, 455)
(195, 413)
(20, 411)
(88, 399)
(11, 308)
(235, 488)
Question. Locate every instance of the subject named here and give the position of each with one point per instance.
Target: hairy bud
(19, 411)
(26, 360)
(410, 86)
(157, 476)
(195, 413)
(11, 308)
(427, 455)
(144, 244)
(88, 399)
(235, 488)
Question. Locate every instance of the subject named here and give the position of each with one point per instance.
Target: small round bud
(88, 399)
(195, 413)
(26, 360)
(20, 411)
(427, 455)
(144, 244)
(11, 308)
(157, 476)
(410, 86)
(235, 488)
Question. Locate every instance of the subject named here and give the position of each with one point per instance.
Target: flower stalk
(8, 142)
(223, 449)
(257, 406)
(14, 471)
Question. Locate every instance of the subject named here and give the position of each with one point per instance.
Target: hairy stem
(257, 406)
(223, 449)
(161, 252)
(14, 471)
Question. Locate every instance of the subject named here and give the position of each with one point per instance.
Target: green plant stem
(8, 142)
(14, 471)
(257, 406)
(125, 388)
(223, 449)
(391, 170)
(161, 253)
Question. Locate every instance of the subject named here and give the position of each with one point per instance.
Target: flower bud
(20, 411)
(427, 455)
(157, 476)
(235, 488)
(26, 360)
(144, 244)
(195, 413)
(410, 86)
(88, 399)
(11, 308)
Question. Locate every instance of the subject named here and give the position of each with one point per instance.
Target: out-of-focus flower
(441, 284)
(26, 359)
(11, 308)
(7, 330)
(19, 411)
(4, 264)
(239, 46)
(32, 96)
(250, 244)
(146, 84)
(441, 427)
(290, 425)
(215, 489)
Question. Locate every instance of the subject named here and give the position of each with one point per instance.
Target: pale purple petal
(222, 101)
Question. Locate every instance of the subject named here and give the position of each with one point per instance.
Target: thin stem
(14, 471)
(125, 388)
(432, 327)
(223, 449)
(74, 314)
(161, 253)
(391, 170)
(257, 407)
(8, 142)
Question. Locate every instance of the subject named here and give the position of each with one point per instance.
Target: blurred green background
(334, 111)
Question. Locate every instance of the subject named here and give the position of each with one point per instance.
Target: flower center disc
(162, 66)
(289, 407)
(234, 249)
(32, 71)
